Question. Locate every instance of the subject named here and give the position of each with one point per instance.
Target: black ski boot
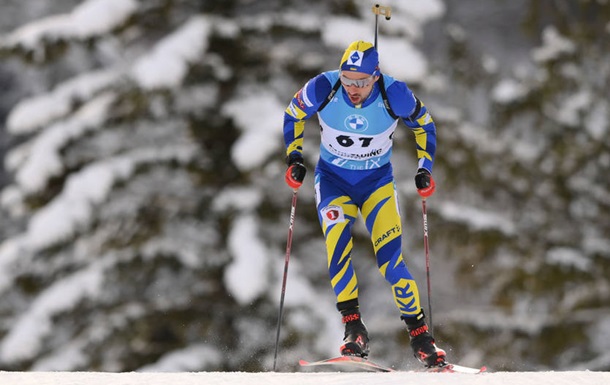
(422, 342)
(356, 337)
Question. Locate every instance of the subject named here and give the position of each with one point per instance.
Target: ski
(453, 368)
(349, 361)
(365, 364)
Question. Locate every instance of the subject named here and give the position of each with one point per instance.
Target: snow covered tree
(126, 191)
(535, 147)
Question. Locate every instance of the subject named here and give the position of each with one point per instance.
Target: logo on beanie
(355, 58)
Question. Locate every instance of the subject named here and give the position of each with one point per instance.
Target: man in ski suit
(358, 110)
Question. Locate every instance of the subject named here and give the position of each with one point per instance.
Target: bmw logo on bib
(356, 123)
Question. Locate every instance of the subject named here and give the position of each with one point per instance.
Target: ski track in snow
(326, 378)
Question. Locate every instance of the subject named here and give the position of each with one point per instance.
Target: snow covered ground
(327, 378)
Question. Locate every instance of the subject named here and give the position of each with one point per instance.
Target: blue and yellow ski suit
(354, 174)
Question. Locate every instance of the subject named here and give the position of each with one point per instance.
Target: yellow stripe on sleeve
(426, 119)
(421, 138)
(295, 111)
(297, 143)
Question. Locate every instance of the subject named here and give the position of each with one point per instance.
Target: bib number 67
(347, 141)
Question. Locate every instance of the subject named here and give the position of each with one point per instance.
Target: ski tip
(467, 370)
(453, 368)
(303, 362)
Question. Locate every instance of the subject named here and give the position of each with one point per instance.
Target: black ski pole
(380, 10)
(286, 261)
(427, 252)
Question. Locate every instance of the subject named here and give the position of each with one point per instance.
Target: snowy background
(143, 213)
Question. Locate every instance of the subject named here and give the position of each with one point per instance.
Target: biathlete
(358, 109)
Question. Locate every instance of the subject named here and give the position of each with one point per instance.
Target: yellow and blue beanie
(360, 56)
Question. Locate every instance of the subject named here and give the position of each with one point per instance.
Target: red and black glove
(295, 174)
(424, 183)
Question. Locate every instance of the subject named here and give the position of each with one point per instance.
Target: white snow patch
(476, 219)
(168, 63)
(553, 46)
(564, 256)
(238, 198)
(24, 340)
(256, 142)
(300, 291)
(43, 159)
(568, 112)
(408, 18)
(246, 277)
(422, 11)
(333, 33)
(481, 138)
(184, 240)
(89, 19)
(594, 243)
(508, 90)
(400, 59)
(597, 121)
(11, 250)
(306, 22)
(30, 114)
(73, 208)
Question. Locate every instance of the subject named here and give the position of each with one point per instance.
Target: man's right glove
(295, 174)
(424, 183)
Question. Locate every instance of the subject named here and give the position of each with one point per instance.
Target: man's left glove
(424, 183)
(295, 174)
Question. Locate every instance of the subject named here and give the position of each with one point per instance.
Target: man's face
(358, 85)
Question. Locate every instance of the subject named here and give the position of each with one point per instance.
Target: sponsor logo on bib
(356, 123)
